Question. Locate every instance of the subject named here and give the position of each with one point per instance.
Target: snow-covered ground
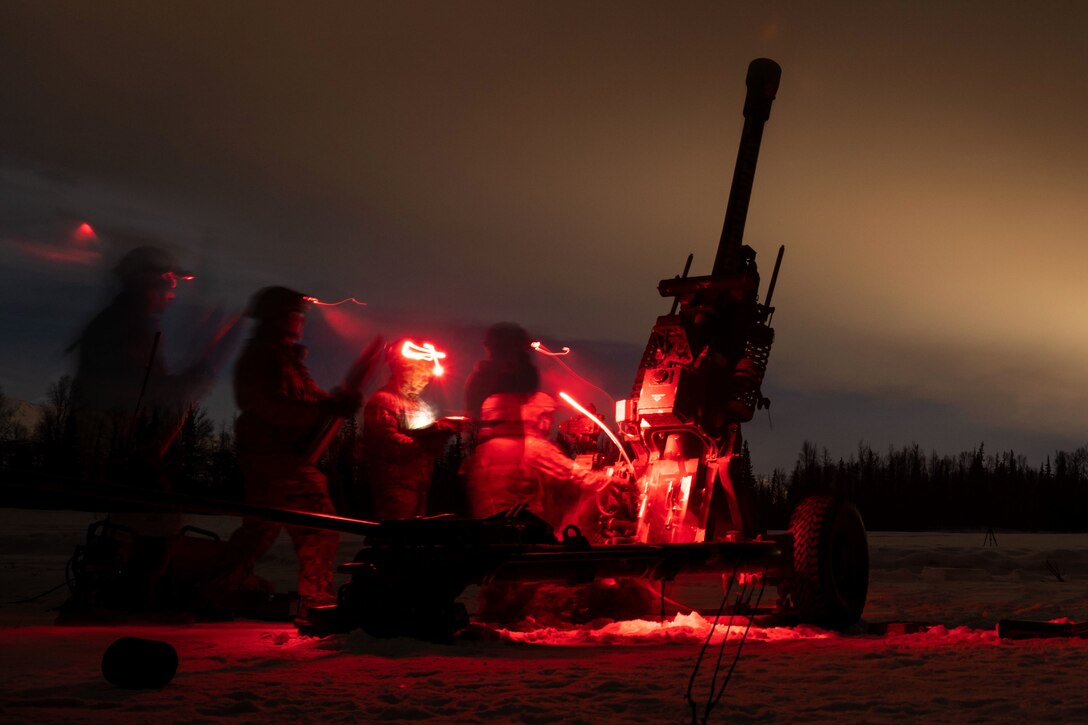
(956, 670)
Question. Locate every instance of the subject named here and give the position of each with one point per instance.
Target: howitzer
(699, 378)
(701, 373)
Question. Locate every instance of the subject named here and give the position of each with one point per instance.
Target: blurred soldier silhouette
(508, 367)
(401, 438)
(517, 463)
(128, 407)
(281, 406)
(127, 411)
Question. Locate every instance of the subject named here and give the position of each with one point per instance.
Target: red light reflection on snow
(426, 351)
(691, 627)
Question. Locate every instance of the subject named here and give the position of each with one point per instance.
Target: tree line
(201, 460)
(900, 489)
(906, 489)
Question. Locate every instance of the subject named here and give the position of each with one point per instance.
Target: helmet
(536, 407)
(272, 303)
(515, 415)
(506, 338)
(144, 265)
(406, 353)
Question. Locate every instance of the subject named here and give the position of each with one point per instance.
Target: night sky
(458, 163)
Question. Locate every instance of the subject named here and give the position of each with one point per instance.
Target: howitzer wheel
(830, 578)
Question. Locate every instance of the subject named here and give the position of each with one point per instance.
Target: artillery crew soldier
(508, 367)
(516, 462)
(127, 409)
(120, 424)
(401, 438)
(281, 406)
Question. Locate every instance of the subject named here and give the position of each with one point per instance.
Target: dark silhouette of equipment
(1025, 629)
(134, 663)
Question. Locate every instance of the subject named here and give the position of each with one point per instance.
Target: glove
(341, 403)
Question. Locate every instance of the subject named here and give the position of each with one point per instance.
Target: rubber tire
(830, 579)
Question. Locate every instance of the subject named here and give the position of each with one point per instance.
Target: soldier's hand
(342, 403)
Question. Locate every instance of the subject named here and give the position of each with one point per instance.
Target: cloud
(991, 381)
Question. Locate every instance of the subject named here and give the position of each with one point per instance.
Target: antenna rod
(687, 266)
(774, 276)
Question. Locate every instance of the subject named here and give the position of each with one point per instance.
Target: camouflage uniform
(399, 468)
(280, 406)
(515, 463)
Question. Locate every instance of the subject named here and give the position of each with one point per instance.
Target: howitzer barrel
(762, 82)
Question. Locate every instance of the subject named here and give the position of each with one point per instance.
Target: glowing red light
(539, 347)
(334, 304)
(85, 233)
(173, 278)
(426, 351)
(76, 253)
